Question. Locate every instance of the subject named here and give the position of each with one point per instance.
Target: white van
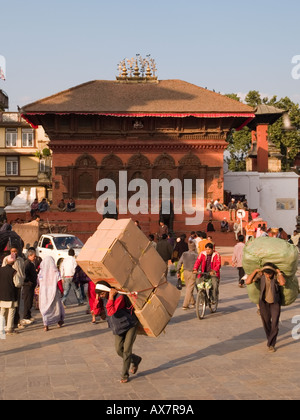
(57, 245)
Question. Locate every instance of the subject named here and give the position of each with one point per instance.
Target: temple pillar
(262, 147)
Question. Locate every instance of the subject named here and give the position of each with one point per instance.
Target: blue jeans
(68, 285)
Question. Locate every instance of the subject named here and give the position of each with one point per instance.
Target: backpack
(123, 319)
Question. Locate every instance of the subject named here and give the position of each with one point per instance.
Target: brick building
(22, 165)
(153, 129)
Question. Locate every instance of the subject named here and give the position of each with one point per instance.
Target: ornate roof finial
(124, 70)
(136, 69)
(148, 71)
(143, 71)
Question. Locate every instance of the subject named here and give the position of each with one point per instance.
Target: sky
(228, 46)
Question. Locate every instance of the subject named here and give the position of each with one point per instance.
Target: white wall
(247, 183)
(262, 191)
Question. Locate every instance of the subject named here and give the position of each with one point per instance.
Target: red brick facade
(164, 130)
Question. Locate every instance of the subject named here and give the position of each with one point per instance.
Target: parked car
(57, 245)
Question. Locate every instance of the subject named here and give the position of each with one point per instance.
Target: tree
(253, 98)
(288, 141)
(239, 145)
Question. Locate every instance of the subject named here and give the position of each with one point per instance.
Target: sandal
(124, 380)
(135, 366)
(46, 328)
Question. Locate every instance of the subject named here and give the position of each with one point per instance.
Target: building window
(42, 165)
(11, 193)
(27, 138)
(11, 137)
(12, 166)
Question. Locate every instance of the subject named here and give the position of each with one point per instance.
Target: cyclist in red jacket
(209, 261)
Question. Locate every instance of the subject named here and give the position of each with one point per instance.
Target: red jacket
(112, 306)
(215, 262)
(60, 286)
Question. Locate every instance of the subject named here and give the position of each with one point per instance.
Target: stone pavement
(223, 356)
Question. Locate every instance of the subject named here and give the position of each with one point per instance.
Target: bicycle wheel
(200, 304)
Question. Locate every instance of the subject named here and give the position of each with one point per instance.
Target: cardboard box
(113, 264)
(138, 282)
(168, 295)
(133, 239)
(121, 254)
(113, 252)
(30, 233)
(153, 266)
(158, 310)
(153, 317)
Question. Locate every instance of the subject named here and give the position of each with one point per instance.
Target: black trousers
(270, 313)
(17, 314)
(241, 274)
(28, 295)
(123, 345)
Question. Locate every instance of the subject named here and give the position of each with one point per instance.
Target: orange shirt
(250, 230)
(201, 245)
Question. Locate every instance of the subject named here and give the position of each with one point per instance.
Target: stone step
(83, 224)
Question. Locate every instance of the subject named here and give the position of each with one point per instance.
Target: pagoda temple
(153, 129)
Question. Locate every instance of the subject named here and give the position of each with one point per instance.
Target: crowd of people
(188, 256)
(41, 284)
(198, 254)
(24, 280)
(232, 207)
(44, 206)
(38, 283)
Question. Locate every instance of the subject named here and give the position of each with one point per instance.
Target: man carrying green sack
(284, 255)
(268, 279)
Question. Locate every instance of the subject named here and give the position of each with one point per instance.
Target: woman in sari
(50, 293)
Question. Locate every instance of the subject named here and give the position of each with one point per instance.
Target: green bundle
(278, 251)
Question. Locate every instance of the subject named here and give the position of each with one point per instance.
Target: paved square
(223, 356)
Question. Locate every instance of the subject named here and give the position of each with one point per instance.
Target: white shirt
(68, 266)
(237, 257)
(258, 232)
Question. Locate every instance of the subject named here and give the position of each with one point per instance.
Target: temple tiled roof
(165, 96)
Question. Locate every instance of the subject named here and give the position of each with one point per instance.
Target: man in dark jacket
(269, 278)
(180, 247)
(232, 209)
(165, 250)
(29, 285)
(123, 322)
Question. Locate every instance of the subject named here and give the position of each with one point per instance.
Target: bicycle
(204, 295)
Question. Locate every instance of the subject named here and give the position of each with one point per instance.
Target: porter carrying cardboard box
(121, 254)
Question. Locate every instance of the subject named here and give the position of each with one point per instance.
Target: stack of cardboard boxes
(121, 254)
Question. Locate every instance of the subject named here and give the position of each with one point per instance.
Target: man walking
(67, 271)
(165, 250)
(268, 279)
(30, 283)
(237, 258)
(188, 260)
(8, 293)
(123, 323)
(19, 278)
